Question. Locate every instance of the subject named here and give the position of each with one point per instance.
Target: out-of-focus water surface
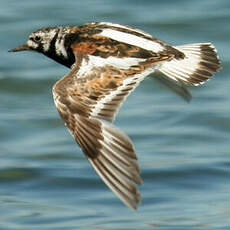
(183, 148)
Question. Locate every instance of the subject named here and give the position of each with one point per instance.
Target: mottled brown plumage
(107, 63)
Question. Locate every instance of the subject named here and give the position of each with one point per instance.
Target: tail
(199, 64)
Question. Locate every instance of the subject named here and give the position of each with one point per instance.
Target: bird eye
(37, 38)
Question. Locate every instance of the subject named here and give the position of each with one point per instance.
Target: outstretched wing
(87, 99)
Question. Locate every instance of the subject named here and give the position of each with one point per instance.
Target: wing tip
(116, 164)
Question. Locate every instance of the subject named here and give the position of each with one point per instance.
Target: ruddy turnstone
(107, 63)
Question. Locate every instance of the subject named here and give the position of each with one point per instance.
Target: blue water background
(183, 148)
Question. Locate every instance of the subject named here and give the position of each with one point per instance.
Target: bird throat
(59, 52)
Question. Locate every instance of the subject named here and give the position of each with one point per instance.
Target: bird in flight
(107, 63)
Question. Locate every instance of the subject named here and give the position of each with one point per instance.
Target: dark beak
(20, 48)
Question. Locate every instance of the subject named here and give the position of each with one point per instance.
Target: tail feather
(199, 64)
